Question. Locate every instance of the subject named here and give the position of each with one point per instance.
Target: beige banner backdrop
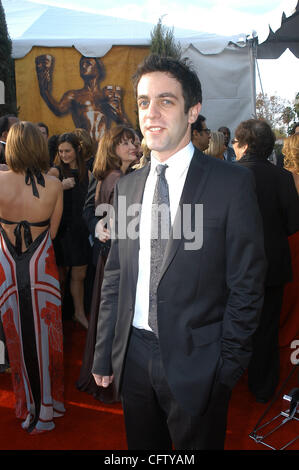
(120, 64)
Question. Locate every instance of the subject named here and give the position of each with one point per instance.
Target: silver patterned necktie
(160, 229)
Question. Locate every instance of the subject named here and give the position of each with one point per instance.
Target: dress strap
(29, 179)
(27, 231)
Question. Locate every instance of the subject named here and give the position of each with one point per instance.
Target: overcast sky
(224, 17)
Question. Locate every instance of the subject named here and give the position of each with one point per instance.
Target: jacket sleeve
(89, 216)
(108, 306)
(245, 276)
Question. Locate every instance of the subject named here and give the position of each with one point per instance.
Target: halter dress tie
(24, 224)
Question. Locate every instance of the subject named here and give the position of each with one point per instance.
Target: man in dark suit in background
(175, 370)
(279, 205)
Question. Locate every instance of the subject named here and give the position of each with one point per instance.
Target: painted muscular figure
(91, 107)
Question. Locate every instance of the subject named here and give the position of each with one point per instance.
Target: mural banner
(63, 89)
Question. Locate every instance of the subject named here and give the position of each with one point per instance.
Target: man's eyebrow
(166, 94)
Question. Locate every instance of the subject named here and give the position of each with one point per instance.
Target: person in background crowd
(5, 124)
(229, 154)
(175, 327)
(289, 326)
(71, 244)
(290, 151)
(200, 134)
(295, 128)
(88, 146)
(116, 151)
(216, 146)
(279, 206)
(30, 213)
(44, 130)
(145, 156)
(53, 148)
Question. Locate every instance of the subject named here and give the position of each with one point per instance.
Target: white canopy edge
(93, 35)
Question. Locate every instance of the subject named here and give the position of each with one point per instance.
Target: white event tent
(225, 64)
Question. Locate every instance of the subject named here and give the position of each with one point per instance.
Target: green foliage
(7, 73)
(163, 42)
(279, 113)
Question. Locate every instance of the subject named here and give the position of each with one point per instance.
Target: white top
(178, 165)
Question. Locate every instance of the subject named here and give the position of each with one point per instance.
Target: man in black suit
(279, 206)
(175, 376)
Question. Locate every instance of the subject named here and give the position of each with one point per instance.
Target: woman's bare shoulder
(53, 172)
(53, 181)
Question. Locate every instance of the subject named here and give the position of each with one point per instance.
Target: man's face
(201, 139)
(88, 68)
(162, 118)
(44, 132)
(226, 134)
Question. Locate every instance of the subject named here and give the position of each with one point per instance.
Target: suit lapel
(136, 198)
(194, 186)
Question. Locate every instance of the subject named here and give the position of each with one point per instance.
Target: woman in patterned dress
(30, 301)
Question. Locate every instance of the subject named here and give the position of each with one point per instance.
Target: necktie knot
(160, 169)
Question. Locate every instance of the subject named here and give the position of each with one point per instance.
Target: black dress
(71, 243)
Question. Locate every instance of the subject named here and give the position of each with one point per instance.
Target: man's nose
(153, 109)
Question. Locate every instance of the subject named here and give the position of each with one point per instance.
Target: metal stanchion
(262, 432)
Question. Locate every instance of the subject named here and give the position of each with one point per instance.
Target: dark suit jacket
(279, 205)
(208, 300)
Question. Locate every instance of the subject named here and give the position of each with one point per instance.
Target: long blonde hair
(216, 145)
(290, 151)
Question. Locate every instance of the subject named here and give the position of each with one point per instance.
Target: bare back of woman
(18, 203)
(30, 295)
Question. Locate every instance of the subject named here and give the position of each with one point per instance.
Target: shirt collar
(177, 163)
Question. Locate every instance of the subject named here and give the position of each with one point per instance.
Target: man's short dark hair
(197, 125)
(258, 135)
(178, 69)
(224, 129)
(42, 124)
(4, 124)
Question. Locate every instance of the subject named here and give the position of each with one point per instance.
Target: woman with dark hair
(115, 154)
(71, 244)
(30, 211)
(279, 206)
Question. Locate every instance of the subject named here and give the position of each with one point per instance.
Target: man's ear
(194, 112)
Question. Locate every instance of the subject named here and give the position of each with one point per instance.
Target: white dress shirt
(178, 165)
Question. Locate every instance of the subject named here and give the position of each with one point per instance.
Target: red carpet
(91, 425)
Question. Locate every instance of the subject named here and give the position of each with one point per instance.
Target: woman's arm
(57, 212)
